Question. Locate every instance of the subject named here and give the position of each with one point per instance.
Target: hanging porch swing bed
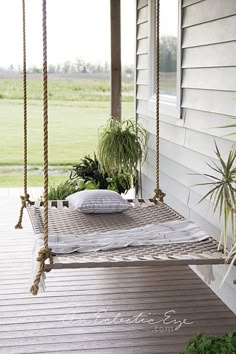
(148, 233)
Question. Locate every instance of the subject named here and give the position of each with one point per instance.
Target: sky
(169, 17)
(76, 29)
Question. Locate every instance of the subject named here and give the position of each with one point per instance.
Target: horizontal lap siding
(208, 10)
(208, 102)
(142, 57)
(220, 102)
(221, 79)
(190, 2)
(209, 56)
(209, 33)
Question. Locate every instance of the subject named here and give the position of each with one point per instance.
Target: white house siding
(208, 100)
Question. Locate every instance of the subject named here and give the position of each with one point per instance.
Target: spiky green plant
(223, 192)
(230, 126)
(121, 146)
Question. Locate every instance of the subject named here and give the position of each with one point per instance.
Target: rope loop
(44, 254)
(25, 201)
(159, 195)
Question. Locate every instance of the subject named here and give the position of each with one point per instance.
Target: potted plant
(88, 174)
(121, 147)
(222, 192)
(223, 196)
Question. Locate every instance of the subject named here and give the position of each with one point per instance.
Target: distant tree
(73, 68)
(51, 68)
(128, 72)
(106, 67)
(35, 70)
(98, 68)
(11, 68)
(66, 67)
(79, 64)
(90, 67)
(58, 68)
(168, 51)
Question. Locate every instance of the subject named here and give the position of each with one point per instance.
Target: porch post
(115, 59)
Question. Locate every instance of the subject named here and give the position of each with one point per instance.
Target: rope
(158, 193)
(45, 124)
(24, 202)
(24, 199)
(45, 253)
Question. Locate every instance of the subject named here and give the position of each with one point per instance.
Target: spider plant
(223, 192)
(121, 146)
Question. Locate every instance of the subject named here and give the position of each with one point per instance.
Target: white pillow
(98, 201)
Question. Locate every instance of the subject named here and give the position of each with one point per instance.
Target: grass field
(77, 109)
(63, 88)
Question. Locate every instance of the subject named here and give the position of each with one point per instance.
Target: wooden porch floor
(108, 311)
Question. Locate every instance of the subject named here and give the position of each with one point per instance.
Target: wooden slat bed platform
(108, 311)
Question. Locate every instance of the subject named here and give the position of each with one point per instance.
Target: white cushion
(98, 201)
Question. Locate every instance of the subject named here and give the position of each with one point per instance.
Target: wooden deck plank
(109, 281)
(12, 292)
(92, 326)
(38, 324)
(31, 318)
(184, 307)
(94, 337)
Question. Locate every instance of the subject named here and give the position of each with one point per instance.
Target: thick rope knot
(24, 202)
(44, 254)
(159, 195)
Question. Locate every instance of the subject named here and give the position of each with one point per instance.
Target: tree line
(71, 67)
(168, 53)
(168, 56)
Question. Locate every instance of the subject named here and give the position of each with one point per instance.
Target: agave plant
(223, 192)
(230, 126)
(121, 146)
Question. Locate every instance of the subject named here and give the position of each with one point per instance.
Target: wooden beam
(115, 59)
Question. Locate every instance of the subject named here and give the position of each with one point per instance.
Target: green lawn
(33, 181)
(63, 88)
(73, 128)
(75, 115)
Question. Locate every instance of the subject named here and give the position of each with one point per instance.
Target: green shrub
(61, 191)
(88, 175)
(88, 169)
(202, 344)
